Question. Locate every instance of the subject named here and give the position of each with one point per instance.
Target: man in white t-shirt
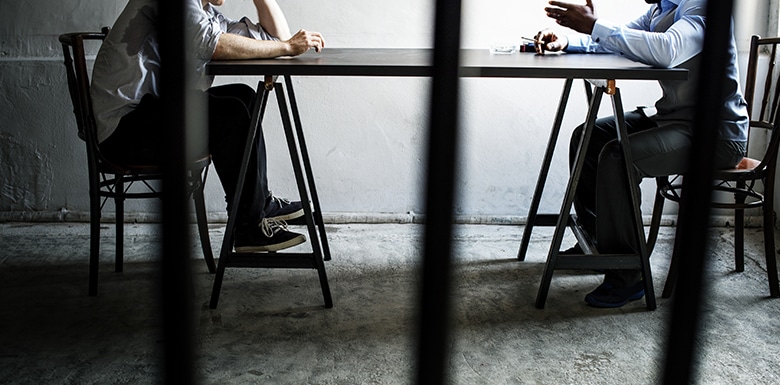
(125, 96)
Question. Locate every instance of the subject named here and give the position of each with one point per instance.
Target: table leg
(571, 188)
(531, 219)
(323, 239)
(258, 110)
(293, 260)
(644, 257)
(293, 145)
(592, 259)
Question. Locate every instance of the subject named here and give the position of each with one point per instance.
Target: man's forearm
(272, 18)
(231, 46)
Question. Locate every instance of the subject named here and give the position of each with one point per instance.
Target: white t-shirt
(127, 66)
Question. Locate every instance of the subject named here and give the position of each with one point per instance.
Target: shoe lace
(280, 201)
(272, 226)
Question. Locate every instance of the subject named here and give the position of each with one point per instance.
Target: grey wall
(366, 135)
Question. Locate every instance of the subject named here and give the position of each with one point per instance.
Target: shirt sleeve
(677, 44)
(244, 27)
(203, 32)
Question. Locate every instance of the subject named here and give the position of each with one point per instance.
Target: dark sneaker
(574, 250)
(270, 235)
(608, 296)
(282, 209)
(577, 250)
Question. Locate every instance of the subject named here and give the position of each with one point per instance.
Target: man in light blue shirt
(670, 34)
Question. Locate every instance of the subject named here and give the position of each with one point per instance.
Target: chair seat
(149, 169)
(746, 165)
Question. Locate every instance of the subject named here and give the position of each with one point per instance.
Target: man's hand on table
(547, 40)
(304, 40)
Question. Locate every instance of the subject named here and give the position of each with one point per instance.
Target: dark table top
(407, 62)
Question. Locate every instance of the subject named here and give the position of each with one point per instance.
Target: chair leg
(671, 277)
(739, 232)
(652, 237)
(203, 228)
(119, 203)
(655, 221)
(94, 242)
(769, 247)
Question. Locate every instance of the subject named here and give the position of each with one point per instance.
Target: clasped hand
(304, 40)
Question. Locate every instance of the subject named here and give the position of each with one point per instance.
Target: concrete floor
(271, 328)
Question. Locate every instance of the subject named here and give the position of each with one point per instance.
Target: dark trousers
(603, 197)
(138, 140)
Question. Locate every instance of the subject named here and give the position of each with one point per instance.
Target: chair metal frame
(108, 180)
(741, 181)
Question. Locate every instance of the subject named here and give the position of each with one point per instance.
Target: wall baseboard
(332, 218)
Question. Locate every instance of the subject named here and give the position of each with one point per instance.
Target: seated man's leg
(604, 131)
(655, 152)
(138, 139)
(258, 227)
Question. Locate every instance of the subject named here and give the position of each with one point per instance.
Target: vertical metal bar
(691, 237)
(176, 298)
(440, 192)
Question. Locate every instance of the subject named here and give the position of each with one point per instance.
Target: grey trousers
(603, 197)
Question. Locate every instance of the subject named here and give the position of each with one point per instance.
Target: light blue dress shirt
(671, 34)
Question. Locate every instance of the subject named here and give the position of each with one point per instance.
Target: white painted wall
(366, 135)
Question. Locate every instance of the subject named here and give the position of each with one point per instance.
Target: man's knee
(576, 135)
(611, 152)
(574, 142)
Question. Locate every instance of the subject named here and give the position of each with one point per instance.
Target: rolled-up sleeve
(203, 33)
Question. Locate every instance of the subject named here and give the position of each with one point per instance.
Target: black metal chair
(109, 180)
(763, 96)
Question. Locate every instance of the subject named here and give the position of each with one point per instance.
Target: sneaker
(577, 250)
(282, 209)
(270, 235)
(574, 250)
(608, 296)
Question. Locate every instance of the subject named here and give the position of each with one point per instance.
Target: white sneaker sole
(274, 247)
(290, 216)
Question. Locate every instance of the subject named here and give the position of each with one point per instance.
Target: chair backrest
(79, 80)
(762, 93)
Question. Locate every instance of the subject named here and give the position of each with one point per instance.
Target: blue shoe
(608, 296)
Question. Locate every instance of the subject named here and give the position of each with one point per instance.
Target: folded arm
(272, 19)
